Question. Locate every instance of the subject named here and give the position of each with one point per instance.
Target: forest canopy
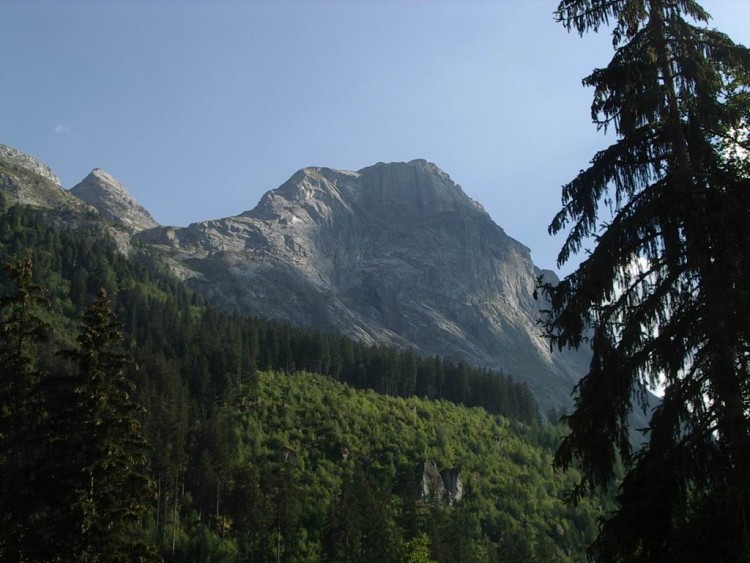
(246, 457)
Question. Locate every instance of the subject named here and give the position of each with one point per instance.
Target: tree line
(164, 319)
(119, 331)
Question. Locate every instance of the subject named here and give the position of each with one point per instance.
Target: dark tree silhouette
(23, 443)
(114, 488)
(663, 296)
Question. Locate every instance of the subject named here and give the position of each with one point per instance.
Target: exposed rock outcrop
(439, 487)
(28, 181)
(454, 485)
(113, 201)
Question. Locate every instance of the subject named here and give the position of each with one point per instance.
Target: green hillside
(248, 458)
(350, 461)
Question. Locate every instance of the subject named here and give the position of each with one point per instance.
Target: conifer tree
(663, 296)
(114, 489)
(23, 509)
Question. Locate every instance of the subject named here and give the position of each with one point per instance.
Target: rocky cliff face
(392, 254)
(29, 163)
(113, 201)
(439, 487)
(28, 181)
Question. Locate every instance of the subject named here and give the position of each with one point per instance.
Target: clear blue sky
(201, 107)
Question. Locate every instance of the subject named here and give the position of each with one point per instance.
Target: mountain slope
(113, 201)
(250, 451)
(392, 254)
(28, 181)
(335, 435)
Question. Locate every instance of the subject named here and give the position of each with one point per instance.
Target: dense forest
(254, 440)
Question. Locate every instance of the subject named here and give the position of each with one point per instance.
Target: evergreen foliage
(351, 459)
(70, 445)
(252, 465)
(23, 443)
(662, 297)
(109, 451)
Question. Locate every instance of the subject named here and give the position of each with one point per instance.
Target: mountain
(113, 201)
(288, 464)
(28, 181)
(277, 460)
(98, 201)
(393, 254)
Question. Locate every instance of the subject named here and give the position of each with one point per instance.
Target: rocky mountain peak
(28, 162)
(390, 191)
(105, 179)
(417, 186)
(392, 254)
(306, 185)
(110, 197)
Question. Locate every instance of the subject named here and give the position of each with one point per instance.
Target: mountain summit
(28, 181)
(112, 200)
(393, 254)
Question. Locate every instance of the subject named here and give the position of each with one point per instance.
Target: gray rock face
(28, 181)
(29, 162)
(454, 485)
(392, 254)
(439, 487)
(431, 487)
(113, 201)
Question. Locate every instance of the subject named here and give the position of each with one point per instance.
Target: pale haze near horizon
(199, 108)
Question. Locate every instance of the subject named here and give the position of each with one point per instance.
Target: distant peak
(422, 181)
(426, 164)
(321, 173)
(420, 164)
(101, 176)
(107, 194)
(28, 162)
(430, 167)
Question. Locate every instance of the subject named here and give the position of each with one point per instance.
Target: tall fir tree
(662, 298)
(23, 331)
(114, 488)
